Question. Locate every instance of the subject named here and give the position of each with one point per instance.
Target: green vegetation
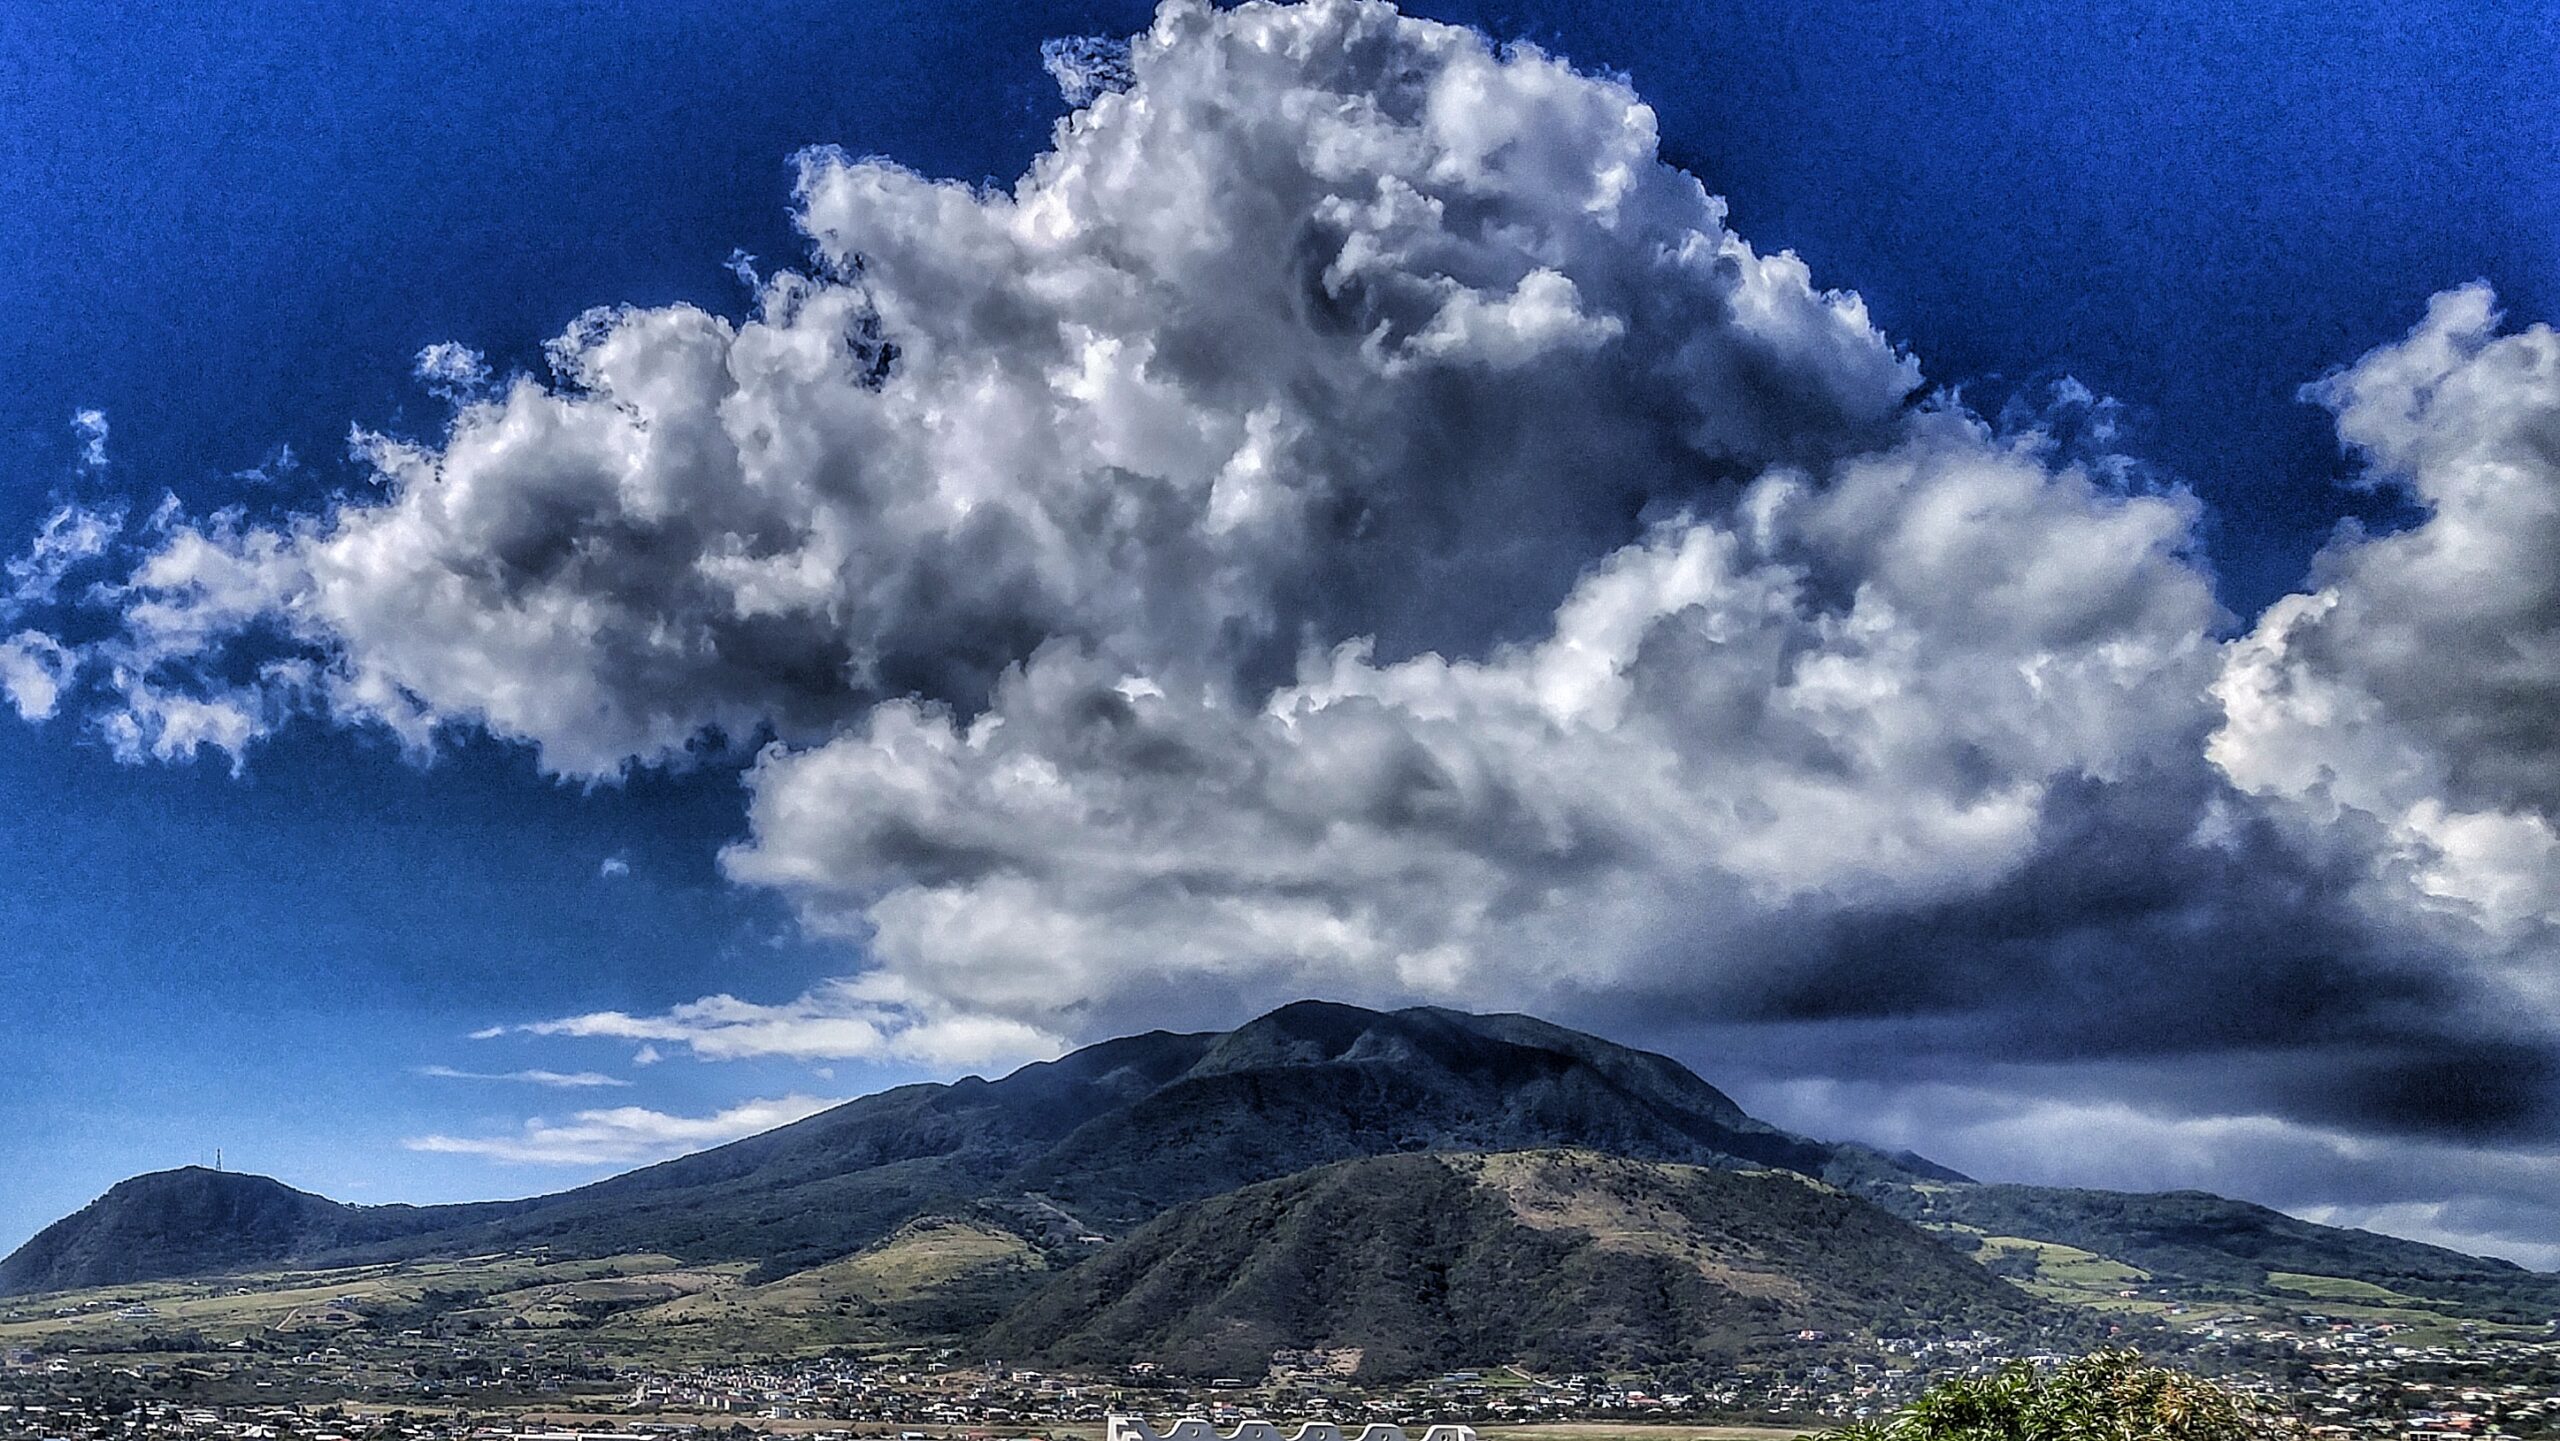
(1648, 1431)
(2339, 1288)
(938, 1277)
(2209, 1250)
(1562, 1260)
(2108, 1396)
(461, 1294)
(2064, 1268)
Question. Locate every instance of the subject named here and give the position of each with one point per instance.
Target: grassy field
(2057, 1272)
(490, 1290)
(2066, 1266)
(628, 1307)
(876, 1297)
(2340, 1288)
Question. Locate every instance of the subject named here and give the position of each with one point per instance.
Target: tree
(2106, 1396)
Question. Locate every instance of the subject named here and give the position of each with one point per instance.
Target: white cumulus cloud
(1710, 730)
(1187, 413)
(2417, 683)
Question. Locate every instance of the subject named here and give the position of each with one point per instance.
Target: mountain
(1094, 1142)
(1563, 1260)
(1087, 1208)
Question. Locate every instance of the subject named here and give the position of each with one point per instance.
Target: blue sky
(233, 228)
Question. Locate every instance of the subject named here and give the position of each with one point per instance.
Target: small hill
(194, 1221)
(1566, 1260)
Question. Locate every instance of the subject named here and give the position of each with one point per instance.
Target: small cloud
(646, 1056)
(34, 669)
(454, 373)
(614, 868)
(91, 427)
(1087, 66)
(623, 1134)
(72, 535)
(279, 463)
(561, 1080)
(743, 265)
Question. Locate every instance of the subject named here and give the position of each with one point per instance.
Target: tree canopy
(2105, 1396)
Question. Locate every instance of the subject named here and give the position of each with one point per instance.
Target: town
(2341, 1381)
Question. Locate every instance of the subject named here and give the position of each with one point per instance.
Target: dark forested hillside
(1562, 1259)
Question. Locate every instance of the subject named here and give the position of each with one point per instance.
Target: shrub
(2106, 1396)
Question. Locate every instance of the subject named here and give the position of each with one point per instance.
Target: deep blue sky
(230, 227)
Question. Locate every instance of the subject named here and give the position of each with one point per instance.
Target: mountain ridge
(1114, 1169)
(1115, 1133)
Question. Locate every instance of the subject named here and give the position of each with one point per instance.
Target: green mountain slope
(2207, 1247)
(1560, 1259)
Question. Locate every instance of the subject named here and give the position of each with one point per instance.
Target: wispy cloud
(91, 427)
(561, 1080)
(839, 1020)
(70, 536)
(453, 372)
(624, 1134)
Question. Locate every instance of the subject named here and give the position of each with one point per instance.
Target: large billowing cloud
(1336, 324)
(2414, 691)
(1852, 695)
(1352, 519)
